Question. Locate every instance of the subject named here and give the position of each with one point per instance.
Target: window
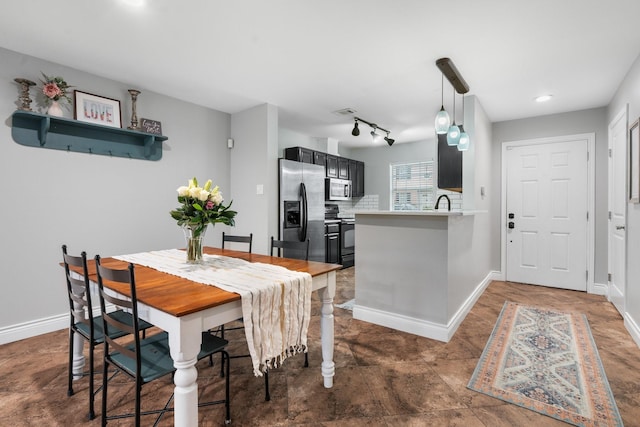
(411, 186)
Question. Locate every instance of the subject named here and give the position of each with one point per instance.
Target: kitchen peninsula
(415, 270)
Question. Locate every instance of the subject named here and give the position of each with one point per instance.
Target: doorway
(617, 210)
(548, 204)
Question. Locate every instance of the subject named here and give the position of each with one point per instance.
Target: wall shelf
(58, 133)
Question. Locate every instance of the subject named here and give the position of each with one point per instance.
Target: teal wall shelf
(41, 130)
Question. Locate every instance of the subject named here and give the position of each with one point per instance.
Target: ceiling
(312, 58)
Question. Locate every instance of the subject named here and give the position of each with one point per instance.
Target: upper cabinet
(356, 175)
(335, 166)
(58, 133)
(332, 166)
(299, 154)
(449, 166)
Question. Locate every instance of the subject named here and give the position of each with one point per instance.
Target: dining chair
(237, 239)
(144, 359)
(220, 330)
(82, 322)
(294, 245)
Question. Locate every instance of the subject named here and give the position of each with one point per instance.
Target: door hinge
(588, 156)
(608, 277)
(609, 152)
(609, 215)
(586, 275)
(587, 215)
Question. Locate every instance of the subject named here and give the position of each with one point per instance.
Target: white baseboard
(32, 328)
(423, 328)
(633, 328)
(599, 289)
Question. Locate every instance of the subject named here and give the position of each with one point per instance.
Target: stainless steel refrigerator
(302, 207)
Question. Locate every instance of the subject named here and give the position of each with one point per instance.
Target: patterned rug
(546, 361)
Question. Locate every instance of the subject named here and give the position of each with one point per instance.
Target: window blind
(411, 186)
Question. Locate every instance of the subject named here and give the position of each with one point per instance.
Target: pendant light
(453, 134)
(442, 118)
(463, 142)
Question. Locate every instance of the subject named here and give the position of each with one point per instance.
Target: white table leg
(78, 341)
(327, 330)
(185, 346)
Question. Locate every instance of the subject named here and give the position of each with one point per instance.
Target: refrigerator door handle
(302, 235)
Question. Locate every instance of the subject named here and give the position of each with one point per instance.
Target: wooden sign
(151, 126)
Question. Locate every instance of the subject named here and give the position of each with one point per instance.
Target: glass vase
(55, 109)
(193, 237)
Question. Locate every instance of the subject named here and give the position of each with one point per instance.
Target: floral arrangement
(201, 206)
(55, 88)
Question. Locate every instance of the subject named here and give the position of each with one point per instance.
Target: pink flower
(210, 205)
(51, 90)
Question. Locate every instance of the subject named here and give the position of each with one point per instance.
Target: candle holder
(134, 115)
(24, 98)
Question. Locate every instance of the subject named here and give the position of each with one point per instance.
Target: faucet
(448, 201)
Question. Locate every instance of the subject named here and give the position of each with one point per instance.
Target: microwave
(337, 189)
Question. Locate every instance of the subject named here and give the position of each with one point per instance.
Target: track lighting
(389, 140)
(374, 135)
(355, 131)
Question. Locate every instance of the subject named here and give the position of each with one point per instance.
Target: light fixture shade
(463, 142)
(443, 122)
(375, 136)
(453, 135)
(355, 131)
(390, 141)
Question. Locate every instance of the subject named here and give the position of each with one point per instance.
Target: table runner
(276, 302)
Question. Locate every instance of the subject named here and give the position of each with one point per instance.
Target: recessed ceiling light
(543, 98)
(134, 3)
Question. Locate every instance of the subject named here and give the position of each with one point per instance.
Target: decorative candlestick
(134, 115)
(24, 93)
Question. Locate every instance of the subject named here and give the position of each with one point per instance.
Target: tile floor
(383, 377)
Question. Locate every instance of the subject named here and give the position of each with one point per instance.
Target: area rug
(546, 361)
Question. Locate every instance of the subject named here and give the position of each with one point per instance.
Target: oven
(347, 242)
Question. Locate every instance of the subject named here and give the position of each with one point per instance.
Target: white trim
(32, 328)
(600, 289)
(591, 169)
(632, 327)
(421, 327)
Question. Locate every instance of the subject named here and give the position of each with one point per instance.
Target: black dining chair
(148, 359)
(237, 239)
(298, 248)
(82, 322)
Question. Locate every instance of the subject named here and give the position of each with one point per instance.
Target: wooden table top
(179, 297)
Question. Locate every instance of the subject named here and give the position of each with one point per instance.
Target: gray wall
(94, 203)
(377, 161)
(577, 122)
(628, 94)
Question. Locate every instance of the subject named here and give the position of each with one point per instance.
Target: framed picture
(151, 126)
(634, 162)
(97, 109)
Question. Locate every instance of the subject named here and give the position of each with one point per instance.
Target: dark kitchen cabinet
(332, 166)
(320, 158)
(449, 166)
(356, 175)
(343, 168)
(332, 248)
(299, 154)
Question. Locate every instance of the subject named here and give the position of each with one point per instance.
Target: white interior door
(547, 214)
(617, 209)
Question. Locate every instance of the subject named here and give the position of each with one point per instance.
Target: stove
(339, 237)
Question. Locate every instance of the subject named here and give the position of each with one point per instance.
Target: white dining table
(184, 309)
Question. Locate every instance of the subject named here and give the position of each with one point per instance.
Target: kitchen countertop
(443, 213)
